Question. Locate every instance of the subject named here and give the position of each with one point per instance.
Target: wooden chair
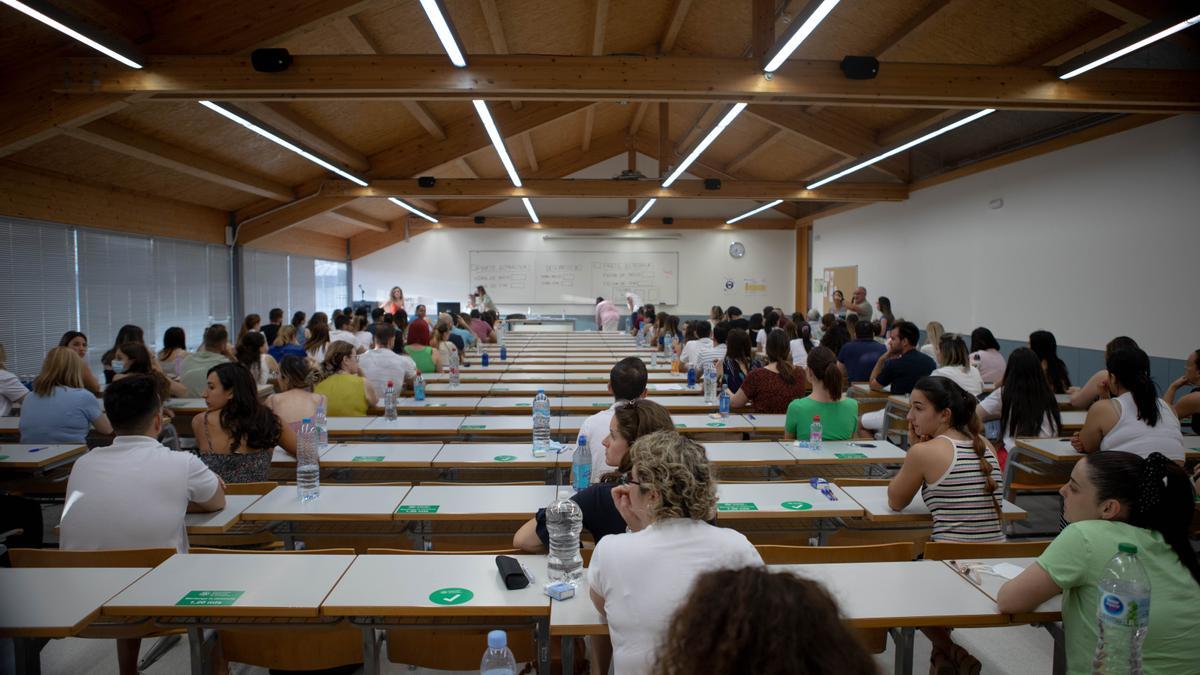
(451, 649)
(947, 550)
(873, 639)
(313, 648)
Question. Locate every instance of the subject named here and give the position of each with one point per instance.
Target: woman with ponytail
(1116, 498)
(772, 388)
(839, 414)
(1135, 419)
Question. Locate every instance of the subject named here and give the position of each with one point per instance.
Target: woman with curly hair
(638, 578)
(786, 625)
(296, 400)
(349, 393)
(237, 442)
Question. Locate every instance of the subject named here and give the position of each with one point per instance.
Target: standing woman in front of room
(395, 301)
(483, 301)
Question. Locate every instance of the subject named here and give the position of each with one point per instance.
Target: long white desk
(873, 499)
(38, 457)
(778, 499)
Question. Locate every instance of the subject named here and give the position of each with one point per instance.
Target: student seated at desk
(1096, 388)
(689, 355)
(59, 409)
(897, 370)
(933, 337)
(858, 356)
(836, 337)
(1043, 344)
(638, 579)
(296, 400)
(786, 624)
(773, 387)
(956, 365)
(343, 325)
(739, 361)
(285, 345)
(419, 350)
(238, 441)
(381, 364)
(1136, 420)
(1116, 498)
(12, 391)
(443, 345)
(252, 355)
(77, 342)
(985, 354)
(1025, 405)
(1189, 405)
(460, 327)
(838, 413)
(134, 358)
(630, 421)
(134, 493)
(173, 352)
(127, 334)
(317, 341)
(800, 342)
(349, 393)
(214, 352)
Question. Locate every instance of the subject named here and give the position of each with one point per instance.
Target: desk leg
(1060, 647)
(542, 631)
(29, 655)
(903, 637)
(370, 651)
(568, 655)
(198, 650)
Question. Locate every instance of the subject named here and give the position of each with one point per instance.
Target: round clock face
(737, 250)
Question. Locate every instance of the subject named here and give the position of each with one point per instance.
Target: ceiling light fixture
(60, 24)
(799, 33)
(412, 209)
(916, 141)
(529, 207)
(764, 207)
(1131, 42)
(436, 11)
(642, 211)
(275, 138)
(497, 142)
(704, 143)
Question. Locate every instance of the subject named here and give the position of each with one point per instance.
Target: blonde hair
(677, 468)
(285, 336)
(934, 331)
(62, 368)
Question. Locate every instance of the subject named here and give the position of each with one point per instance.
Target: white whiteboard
(575, 277)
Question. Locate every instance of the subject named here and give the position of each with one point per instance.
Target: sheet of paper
(1007, 570)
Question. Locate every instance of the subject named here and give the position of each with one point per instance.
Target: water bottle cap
(390, 384)
(306, 420)
(497, 639)
(816, 418)
(1126, 547)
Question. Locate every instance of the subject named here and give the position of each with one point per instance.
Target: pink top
(606, 311)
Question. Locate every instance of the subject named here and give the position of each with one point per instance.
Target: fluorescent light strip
(497, 142)
(529, 207)
(751, 212)
(412, 209)
(282, 141)
(441, 26)
(704, 143)
(642, 211)
(800, 35)
(902, 148)
(1167, 32)
(67, 30)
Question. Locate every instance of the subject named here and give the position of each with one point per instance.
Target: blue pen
(36, 449)
(750, 416)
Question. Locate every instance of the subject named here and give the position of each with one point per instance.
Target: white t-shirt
(596, 429)
(645, 576)
(760, 340)
(364, 339)
(992, 406)
(690, 355)
(710, 354)
(799, 353)
(381, 365)
(344, 336)
(133, 494)
(1131, 434)
(971, 381)
(11, 392)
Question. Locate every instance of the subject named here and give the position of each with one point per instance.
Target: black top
(902, 373)
(270, 331)
(600, 514)
(742, 323)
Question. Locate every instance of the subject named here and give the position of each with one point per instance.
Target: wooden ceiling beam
(426, 120)
(359, 219)
(679, 12)
(831, 131)
(592, 78)
(599, 26)
(282, 118)
(130, 143)
(287, 216)
(491, 16)
(530, 155)
(761, 145)
(467, 169)
(638, 116)
(301, 241)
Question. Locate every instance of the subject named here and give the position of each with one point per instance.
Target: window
(294, 283)
(37, 272)
(331, 284)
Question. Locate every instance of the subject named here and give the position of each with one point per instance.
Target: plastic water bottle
(503, 352)
(389, 402)
(498, 659)
(654, 359)
(483, 359)
(669, 345)
(455, 378)
(419, 388)
(564, 521)
(541, 424)
(691, 377)
(308, 465)
(639, 338)
(500, 338)
(710, 383)
(581, 464)
(723, 402)
(320, 424)
(1123, 614)
(814, 434)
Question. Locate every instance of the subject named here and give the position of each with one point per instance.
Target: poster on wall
(755, 286)
(729, 286)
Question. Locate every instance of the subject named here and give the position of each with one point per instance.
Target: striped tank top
(959, 501)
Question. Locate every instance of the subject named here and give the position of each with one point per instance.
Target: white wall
(1097, 240)
(434, 266)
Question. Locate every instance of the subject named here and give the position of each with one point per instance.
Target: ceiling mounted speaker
(272, 60)
(479, 220)
(860, 67)
(668, 220)
(712, 183)
(426, 181)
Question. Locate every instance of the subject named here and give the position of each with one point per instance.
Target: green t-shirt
(838, 419)
(1075, 560)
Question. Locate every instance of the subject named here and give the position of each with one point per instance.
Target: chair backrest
(791, 555)
(53, 557)
(250, 488)
(948, 550)
(406, 551)
(307, 551)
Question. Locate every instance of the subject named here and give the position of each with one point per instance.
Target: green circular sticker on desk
(680, 426)
(505, 458)
(796, 506)
(715, 424)
(451, 596)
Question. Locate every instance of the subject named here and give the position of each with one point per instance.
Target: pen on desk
(36, 449)
(750, 416)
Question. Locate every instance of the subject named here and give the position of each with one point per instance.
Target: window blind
(37, 271)
(116, 287)
(265, 282)
(302, 286)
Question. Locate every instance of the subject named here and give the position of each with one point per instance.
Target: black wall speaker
(273, 60)
(479, 220)
(860, 67)
(426, 181)
(712, 183)
(668, 220)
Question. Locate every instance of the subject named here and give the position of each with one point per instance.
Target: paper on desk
(1007, 570)
(668, 387)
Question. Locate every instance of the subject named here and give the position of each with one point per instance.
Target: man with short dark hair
(274, 321)
(898, 368)
(689, 356)
(734, 316)
(858, 357)
(377, 315)
(135, 492)
(340, 333)
(215, 351)
(716, 352)
(382, 363)
(626, 382)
